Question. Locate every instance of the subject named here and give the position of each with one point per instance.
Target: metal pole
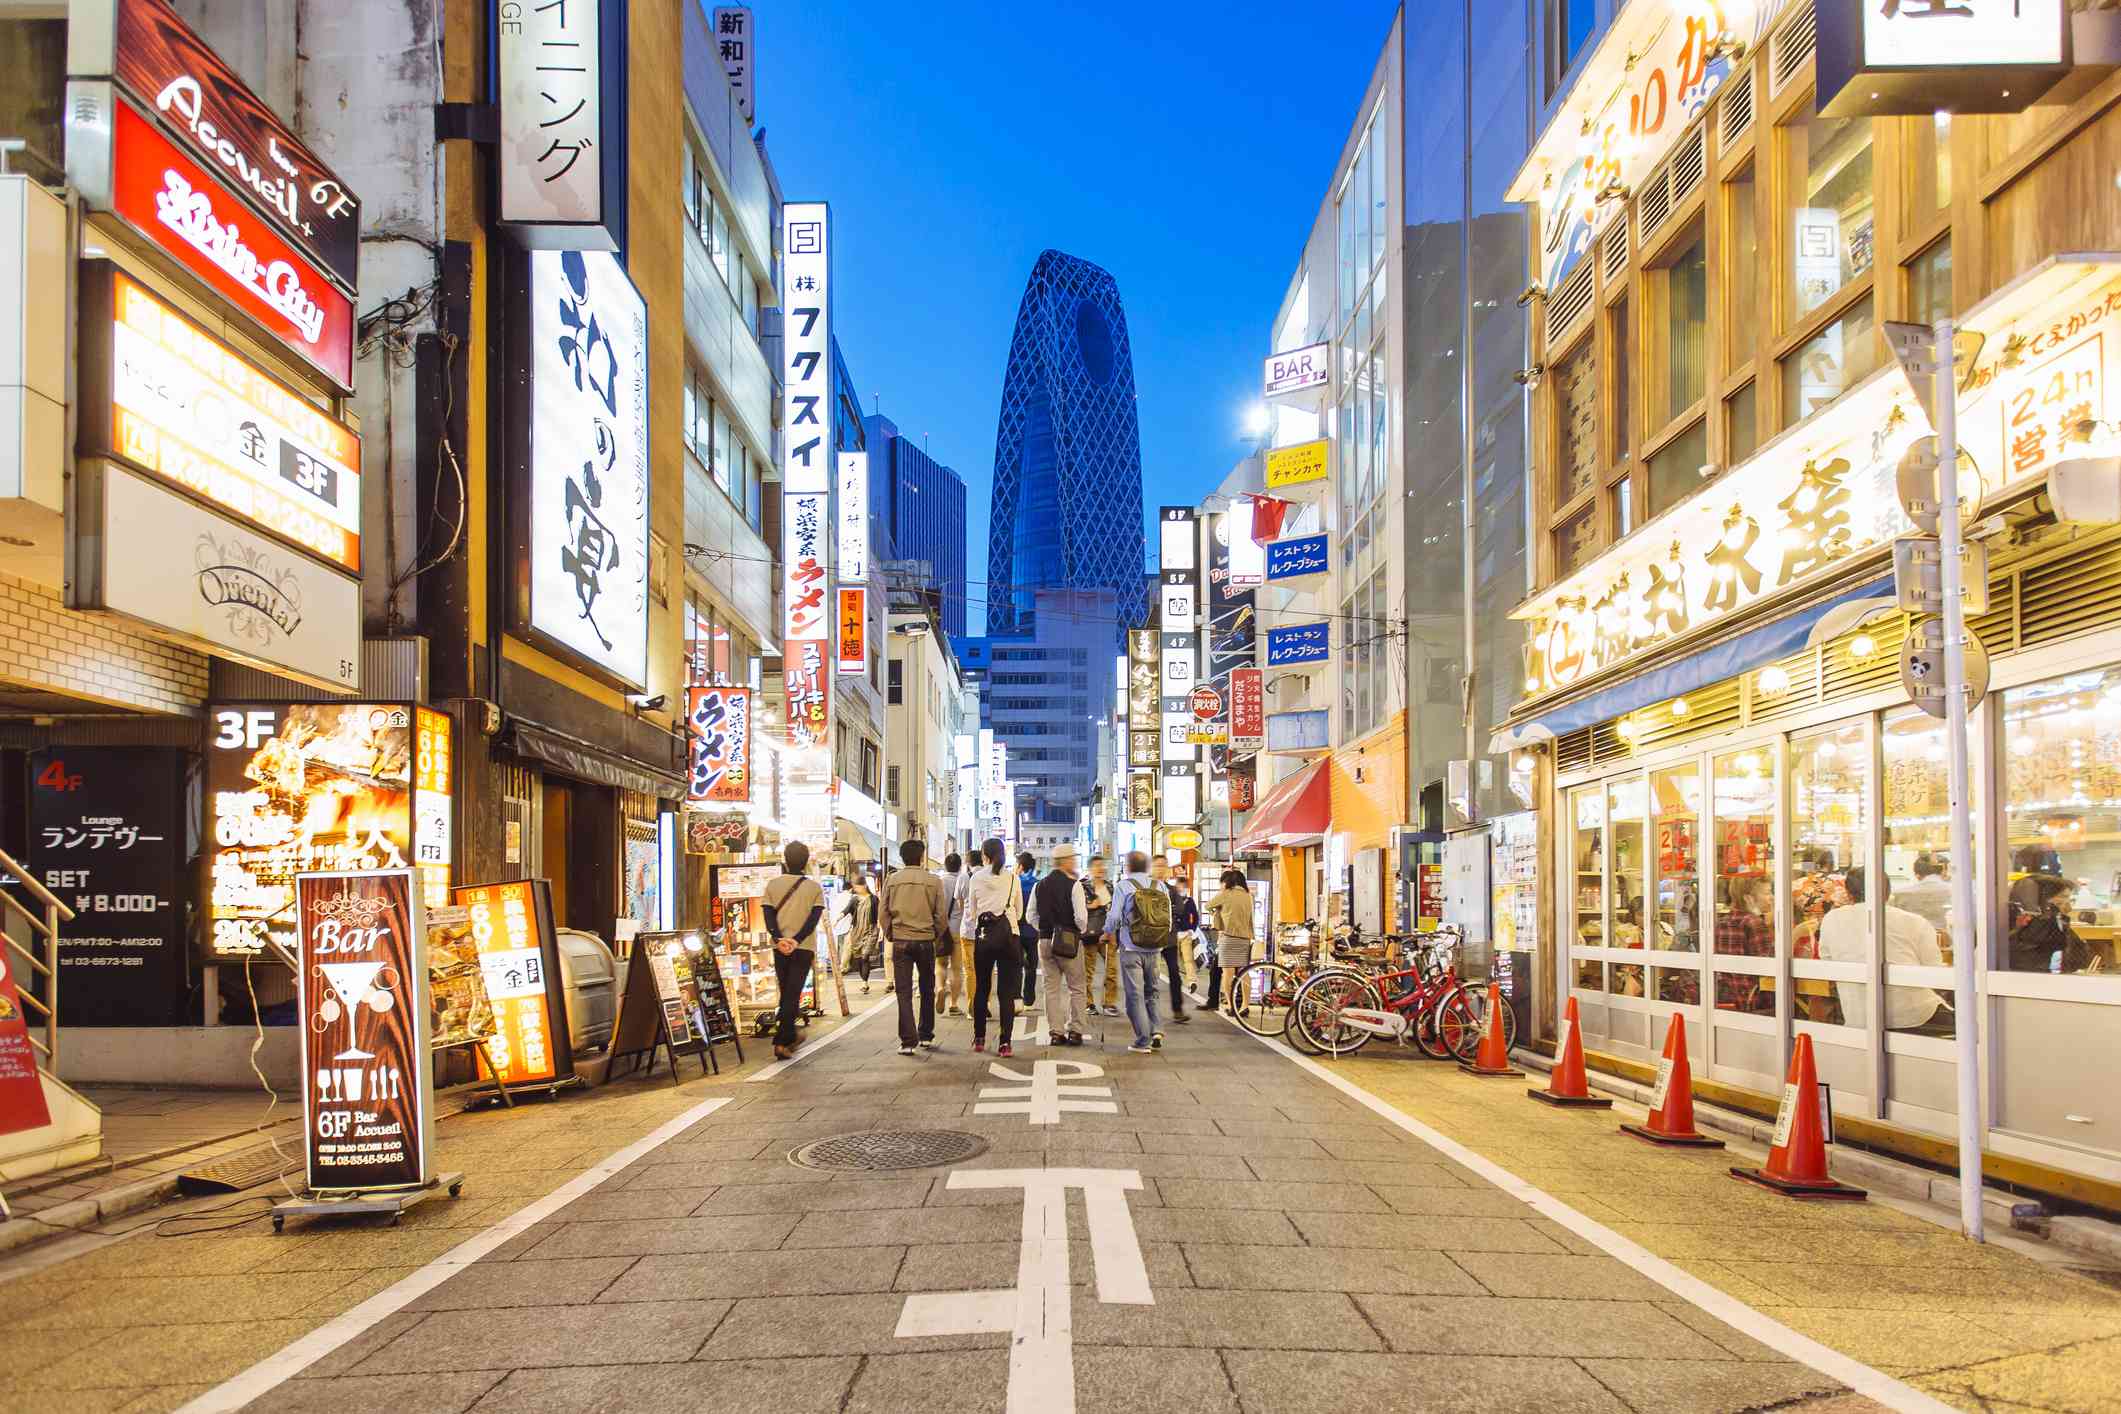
(1965, 1003)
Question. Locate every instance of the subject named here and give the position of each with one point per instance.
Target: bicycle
(1262, 992)
(1426, 1002)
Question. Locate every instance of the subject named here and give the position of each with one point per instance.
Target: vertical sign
(512, 927)
(736, 44)
(806, 469)
(719, 719)
(584, 527)
(106, 834)
(854, 630)
(563, 122)
(1179, 649)
(854, 517)
(367, 1096)
(433, 805)
(1248, 709)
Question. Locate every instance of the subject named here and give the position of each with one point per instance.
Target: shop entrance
(580, 853)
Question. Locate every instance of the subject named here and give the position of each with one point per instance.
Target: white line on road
(885, 1003)
(1046, 1093)
(273, 1371)
(1875, 1384)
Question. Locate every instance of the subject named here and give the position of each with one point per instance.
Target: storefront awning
(1300, 808)
(571, 756)
(863, 845)
(1751, 649)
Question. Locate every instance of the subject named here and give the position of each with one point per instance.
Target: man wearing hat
(1060, 912)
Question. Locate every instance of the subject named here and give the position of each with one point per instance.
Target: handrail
(37, 891)
(55, 912)
(33, 960)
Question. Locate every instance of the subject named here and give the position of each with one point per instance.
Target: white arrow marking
(1043, 1095)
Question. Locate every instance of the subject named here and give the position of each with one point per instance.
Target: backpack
(1151, 928)
(995, 931)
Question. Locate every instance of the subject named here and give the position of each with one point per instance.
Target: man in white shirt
(1930, 896)
(1844, 936)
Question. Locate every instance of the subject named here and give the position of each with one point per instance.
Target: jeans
(957, 991)
(1007, 960)
(1029, 963)
(1064, 989)
(907, 959)
(790, 971)
(1103, 962)
(1137, 969)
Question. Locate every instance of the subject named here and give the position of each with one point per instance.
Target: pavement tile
(1572, 1277)
(1377, 1172)
(1229, 1320)
(1709, 1387)
(1151, 1381)
(1147, 1165)
(988, 1266)
(174, 1301)
(1519, 1326)
(959, 1382)
(1417, 1384)
(608, 1204)
(1898, 1341)
(1287, 1197)
(1417, 1230)
(1451, 1202)
(354, 1248)
(840, 1195)
(633, 1334)
(778, 1326)
(1284, 1146)
(1244, 1227)
(783, 1386)
(2076, 1379)
(529, 1282)
(898, 1228)
(1743, 1347)
(400, 1394)
(739, 1233)
(817, 1271)
(1822, 1284)
(1347, 1269)
(207, 1352)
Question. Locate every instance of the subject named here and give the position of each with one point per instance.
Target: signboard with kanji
(512, 925)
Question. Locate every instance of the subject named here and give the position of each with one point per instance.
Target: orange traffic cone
(1494, 1057)
(1567, 1085)
(1672, 1104)
(1796, 1163)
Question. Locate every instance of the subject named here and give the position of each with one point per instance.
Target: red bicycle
(1340, 1012)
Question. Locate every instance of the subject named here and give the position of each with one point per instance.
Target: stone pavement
(1233, 1234)
(149, 1132)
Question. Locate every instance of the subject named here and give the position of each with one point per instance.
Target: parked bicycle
(1424, 1002)
(1265, 991)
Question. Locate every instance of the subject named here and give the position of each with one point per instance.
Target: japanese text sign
(719, 719)
(512, 925)
(1300, 470)
(854, 517)
(1298, 560)
(735, 44)
(854, 630)
(563, 121)
(1248, 709)
(1298, 643)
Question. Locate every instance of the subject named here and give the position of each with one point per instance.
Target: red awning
(1299, 808)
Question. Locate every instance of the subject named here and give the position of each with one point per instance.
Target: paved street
(1212, 1228)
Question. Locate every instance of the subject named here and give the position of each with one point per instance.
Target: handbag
(1066, 944)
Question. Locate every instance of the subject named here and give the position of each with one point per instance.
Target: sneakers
(979, 1047)
(1139, 1049)
(928, 1045)
(1004, 1050)
(1156, 1042)
(1179, 1018)
(1073, 1038)
(907, 1051)
(1056, 1038)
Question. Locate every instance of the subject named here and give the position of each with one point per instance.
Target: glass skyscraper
(1067, 457)
(918, 507)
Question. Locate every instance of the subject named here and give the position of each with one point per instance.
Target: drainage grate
(878, 1149)
(237, 1172)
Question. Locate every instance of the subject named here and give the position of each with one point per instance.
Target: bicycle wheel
(1260, 996)
(1319, 1003)
(1461, 1021)
(1428, 1035)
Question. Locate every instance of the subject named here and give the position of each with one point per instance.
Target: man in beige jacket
(915, 917)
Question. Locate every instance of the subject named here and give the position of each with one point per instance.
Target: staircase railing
(44, 1008)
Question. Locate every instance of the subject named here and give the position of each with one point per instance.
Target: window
(1929, 283)
(1628, 841)
(1675, 468)
(1672, 921)
(896, 679)
(1927, 184)
(1830, 363)
(1575, 543)
(1741, 266)
(871, 760)
(2062, 823)
(1918, 867)
(1683, 290)
(1587, 820)
(1570, 25)
(1832, 228)
(1741, 426)
(1576, 404)
(1830, 918)
(891, 785)
(1623, 420)
(1744, 861)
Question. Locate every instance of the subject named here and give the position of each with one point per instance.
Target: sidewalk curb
(2090, 1237)
(62, 1218)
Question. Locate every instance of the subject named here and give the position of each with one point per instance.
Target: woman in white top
(859, 953)
(994, 912)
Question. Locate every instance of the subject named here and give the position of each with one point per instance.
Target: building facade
(1043, 692)
(918, 507)
(1067, 458)
(926, 693)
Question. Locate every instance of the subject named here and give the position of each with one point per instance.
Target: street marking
(1048, 1092)
(821, 1042)
(1042, 1344)
(275, 1370)
(1861, 1378)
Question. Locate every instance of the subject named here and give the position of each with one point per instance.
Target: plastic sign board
(1881, 57)
(806, 469)
(563, 114)
(1248, 709)
(584, 529)
(367, 1087)
(1298, 561)
(519, 953)
(1298, 643)
(1299, 472)
(719, 721)
(1299, 369)
(854, 517)
(433, 804)
(160, 393)
(854, 630)
(1206, 703)
(1182, 839)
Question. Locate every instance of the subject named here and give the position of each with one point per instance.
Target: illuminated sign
(1248, 707)
(1297, 561)
(854, 630)
(511, 924)
(434, 804)
(583, 527)
(300, 788)
(1308, 367)
(161, 393)
(563, 116)
(719, 719)
(809, 687)
(1298, 643)
(1918, 57)
(854, 517)
(1248, 557)
(1298, 471)
(174, 202)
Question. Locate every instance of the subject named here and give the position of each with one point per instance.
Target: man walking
(1104, 953)
(1061, 916)
(794, 906)
(954, 963)
(1141, 922)
(1185, 932)
(914, 919)
(1027, 880)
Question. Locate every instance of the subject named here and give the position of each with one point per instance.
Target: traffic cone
(1796, 1162)
(1494, 1057)
(1567, 1086)
(1672, 1104)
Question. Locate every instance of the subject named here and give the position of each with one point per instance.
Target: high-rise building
(1044, 690)
(1067, 456)
(917, 510)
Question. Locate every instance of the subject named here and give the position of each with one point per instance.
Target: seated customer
(1844, 936)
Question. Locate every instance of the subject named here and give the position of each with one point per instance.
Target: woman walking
(993, 919)
(1231, 914)
(859, 914)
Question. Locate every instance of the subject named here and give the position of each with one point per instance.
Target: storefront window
(1624, 812)
(2062, 823)
(1917, 810)
(1741, 431)
(1741, 311)
(1929, 283)
(1830, 776)
(1829, 364)
(1587, 815)
(1827, 168)
(1675, 468)
(1745, 875)
(1675, 878)
(1684, 287)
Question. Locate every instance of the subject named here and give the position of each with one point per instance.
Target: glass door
(1587, 894)
(1675, 889)
(1745, 1042)
(1833, 906)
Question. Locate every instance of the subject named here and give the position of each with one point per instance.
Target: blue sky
(1183, 146)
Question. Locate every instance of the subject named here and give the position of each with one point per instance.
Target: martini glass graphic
(354, 983)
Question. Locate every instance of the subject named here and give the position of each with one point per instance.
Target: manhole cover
(877, 1149)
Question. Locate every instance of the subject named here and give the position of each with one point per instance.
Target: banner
(854, 631)
(21, 1089)
(512, 925)
(367, 1092)
(1248, 710)
(719, 720)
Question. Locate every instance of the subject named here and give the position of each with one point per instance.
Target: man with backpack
(1060, 914)
(915, 918)
(1141, 922)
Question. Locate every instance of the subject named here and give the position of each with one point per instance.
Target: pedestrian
(1027, 880)
(915, 919)
(1104, 953)
(1061, 916)
(1231, 911)
(1178, 954)
(858, 914)
(954, 972)
(794, 906)
(994, 906)
(1141, 922)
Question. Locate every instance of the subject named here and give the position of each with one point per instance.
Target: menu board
(434, 804)
(676, 987)
(460, 1012)
(511, 926)
(1514, 878)
(367, 1093)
